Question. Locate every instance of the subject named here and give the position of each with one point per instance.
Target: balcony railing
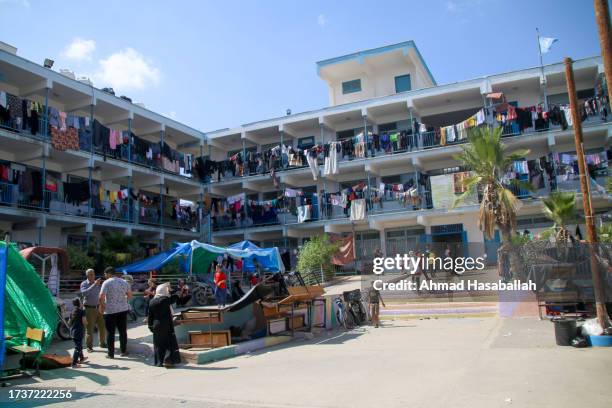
(119, 211)
(413, 142)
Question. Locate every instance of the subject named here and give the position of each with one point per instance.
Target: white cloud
(24, 3)
(79, 50)
(322, 20)
(451, 6)
(127, 70)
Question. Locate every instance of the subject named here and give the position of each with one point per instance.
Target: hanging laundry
(358, 209)
(289, 192)
(304, 213)
(331, 160)
(311, 157)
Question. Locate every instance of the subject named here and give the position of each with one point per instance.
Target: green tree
(118, 249)
(604, 233)
(315, 255)
(485, 155)
(560, 208)
(78, 258)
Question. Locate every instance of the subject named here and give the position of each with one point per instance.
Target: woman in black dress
(161, 325)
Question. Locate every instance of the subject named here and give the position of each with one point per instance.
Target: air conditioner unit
(67, 73)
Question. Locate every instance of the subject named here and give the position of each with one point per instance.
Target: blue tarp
(156, 261)
(268, 258)
(3, 251)
(243, 245)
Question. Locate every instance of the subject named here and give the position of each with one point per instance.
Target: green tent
(27, 302)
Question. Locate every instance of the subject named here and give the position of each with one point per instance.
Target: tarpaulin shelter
(3, 254)
(244, 245)
(27, 301)
(158, 260)
(200, 255)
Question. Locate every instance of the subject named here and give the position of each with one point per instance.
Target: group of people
(104, 304)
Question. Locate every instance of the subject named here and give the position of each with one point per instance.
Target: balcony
(398, 142)
(123, 211)
(133, 151)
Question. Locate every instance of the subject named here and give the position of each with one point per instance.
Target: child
(77, 327)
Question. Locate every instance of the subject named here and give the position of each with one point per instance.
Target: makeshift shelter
(26, 301)
(3, 254)
(198, 257)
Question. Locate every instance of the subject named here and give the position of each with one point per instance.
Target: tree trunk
(512, 254)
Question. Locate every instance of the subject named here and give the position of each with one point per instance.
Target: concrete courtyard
(451, 362)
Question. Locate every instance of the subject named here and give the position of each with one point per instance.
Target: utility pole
(585, 179)
(602, 16)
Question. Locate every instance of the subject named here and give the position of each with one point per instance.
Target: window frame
(348, 87)
(400, 77)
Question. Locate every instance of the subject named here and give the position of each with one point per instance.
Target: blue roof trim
(360, 55)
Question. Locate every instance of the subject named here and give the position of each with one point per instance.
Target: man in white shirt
(114, 297)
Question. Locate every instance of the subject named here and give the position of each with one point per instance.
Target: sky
(220, 64)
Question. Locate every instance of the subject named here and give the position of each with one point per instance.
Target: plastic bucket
(565, 331)
(600, 341)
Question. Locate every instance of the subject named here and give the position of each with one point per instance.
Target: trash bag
(591, 327)
(580, 342)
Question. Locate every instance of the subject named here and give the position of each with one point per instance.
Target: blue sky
(220, 64)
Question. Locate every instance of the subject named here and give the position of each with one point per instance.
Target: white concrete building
(395, 127)
(382, 92)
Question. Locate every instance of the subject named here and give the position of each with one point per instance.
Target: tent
(27, 301)
(157, 261)
(2, 291)
(244, 245)
(200, 255)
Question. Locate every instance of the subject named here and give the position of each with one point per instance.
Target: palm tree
(560, 208)
(486, 157)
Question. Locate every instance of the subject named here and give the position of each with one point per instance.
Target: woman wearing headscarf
(161, 325)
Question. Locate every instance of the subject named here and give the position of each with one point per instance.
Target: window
(387, 127)
(345, 134)
(402, 83)
(306, 142)
(351, 86)
(585, 93)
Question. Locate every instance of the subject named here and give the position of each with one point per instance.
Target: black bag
(579, 342)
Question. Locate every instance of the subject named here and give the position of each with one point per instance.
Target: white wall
(381, 82)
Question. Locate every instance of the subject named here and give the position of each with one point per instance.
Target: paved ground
(469, 362)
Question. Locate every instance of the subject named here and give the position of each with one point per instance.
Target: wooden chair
(28, 350)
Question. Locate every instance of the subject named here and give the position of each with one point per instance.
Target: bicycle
(343, 316)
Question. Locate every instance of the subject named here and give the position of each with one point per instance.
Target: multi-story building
(396, 133)
(76, 161)
(379, 161)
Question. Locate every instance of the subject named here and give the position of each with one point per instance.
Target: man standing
(375, 300)
(114, 297)
(90, 290)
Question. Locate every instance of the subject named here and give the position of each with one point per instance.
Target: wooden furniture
(28, 350)
(281, 316)
(194, 317)
(208, 339)
(214, 339)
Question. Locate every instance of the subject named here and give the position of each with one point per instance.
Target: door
(491, 246)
